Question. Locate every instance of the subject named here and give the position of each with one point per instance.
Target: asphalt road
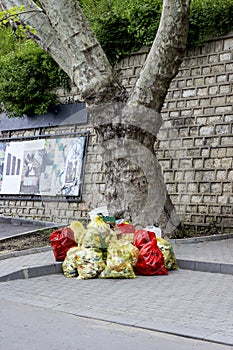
(28, 327)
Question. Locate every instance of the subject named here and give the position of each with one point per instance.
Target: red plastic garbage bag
(150, 260)
(61, 241)
(127, 231)
(126, 228)
(142, 237)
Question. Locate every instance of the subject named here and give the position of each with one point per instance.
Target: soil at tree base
(34, 240)
(41, 239)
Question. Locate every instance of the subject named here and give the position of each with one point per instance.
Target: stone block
(197, 111)
(226, 268)
(210, 80)
(209, 199)
(206, 130)
(188, 142)
(216, 68)
(221, 175)
(225, 89)
(204, 101)
(223, 109)
(222, 129)
(218, 101)
(192, 103)
(196, 199)
(228, 44)
(213, 58)
(188, 93)
(227, 186)
(229, 67)
(206, 70)
(227, 141)
(226, 209)
(222, 199)
(213, 90)
(198, 163)
(202, 91)
(178, 175)
(221, 78)
(189, 175)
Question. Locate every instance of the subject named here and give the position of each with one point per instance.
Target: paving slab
(187, 303)
(209, 256)
(10, 227)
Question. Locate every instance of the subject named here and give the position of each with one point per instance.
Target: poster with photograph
(2, 157)
(49, 166)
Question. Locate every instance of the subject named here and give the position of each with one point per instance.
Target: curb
(18, 253)
(35, 271)
(201, 239)
(55, 268)
(205, 266)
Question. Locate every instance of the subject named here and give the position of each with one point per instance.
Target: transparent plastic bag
(168, 254)
(121, 257)
(89, 263)
(69, 264)
(79, 232)
(98, 234)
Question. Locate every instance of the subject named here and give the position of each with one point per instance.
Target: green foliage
(144, 17)
(123, 26)
(11, 14)
(110, 24)
(27, 77)
(209, 18)
(8, 41)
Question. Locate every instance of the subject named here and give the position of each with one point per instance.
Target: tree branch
(9, 16)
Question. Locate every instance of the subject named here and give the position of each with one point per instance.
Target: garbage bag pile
(109, 249)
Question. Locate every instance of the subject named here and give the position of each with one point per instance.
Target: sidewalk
(13, 226)
(206, 256)
(187, 303)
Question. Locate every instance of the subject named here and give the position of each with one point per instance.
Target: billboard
(45, 167)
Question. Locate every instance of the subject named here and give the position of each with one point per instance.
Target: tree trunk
(127, 128)
(135, 188)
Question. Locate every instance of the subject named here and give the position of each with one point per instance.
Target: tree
(27, 79)
(126, 125)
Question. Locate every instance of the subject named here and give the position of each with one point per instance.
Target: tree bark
(165, 56)
(127, 127)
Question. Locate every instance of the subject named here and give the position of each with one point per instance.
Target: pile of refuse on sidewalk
(107, 248)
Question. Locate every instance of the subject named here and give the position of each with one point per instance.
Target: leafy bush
(209, 18)
(124, 26)
(27, 77)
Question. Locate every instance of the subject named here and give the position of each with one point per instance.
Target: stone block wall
(195, 143)
(194, 148)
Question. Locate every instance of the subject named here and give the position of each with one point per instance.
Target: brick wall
(195, 143)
